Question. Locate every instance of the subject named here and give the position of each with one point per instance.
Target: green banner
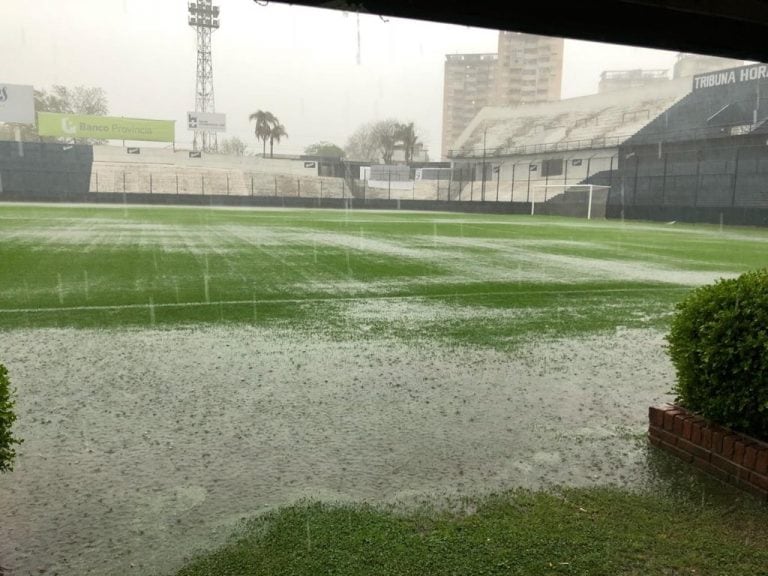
(104, 127)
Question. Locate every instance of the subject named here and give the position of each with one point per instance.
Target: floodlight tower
(204, 18)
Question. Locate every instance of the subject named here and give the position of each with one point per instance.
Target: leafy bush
(719, 346)
(7, 418)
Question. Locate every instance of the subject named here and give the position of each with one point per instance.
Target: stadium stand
(522, 151)
(703, 159)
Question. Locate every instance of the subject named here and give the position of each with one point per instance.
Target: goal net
(580, 196)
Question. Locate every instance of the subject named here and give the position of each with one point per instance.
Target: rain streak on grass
(80, 266)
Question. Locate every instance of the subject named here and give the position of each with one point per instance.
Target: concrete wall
(553, 209)
(180, 158)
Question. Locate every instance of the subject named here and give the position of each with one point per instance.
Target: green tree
(324, 149)
(233, 146)
(7, 418)
(406, 134)
(265, 121)
(384, 135)
(361, 145)
(374, 142)
(275, 134)
(78, 100)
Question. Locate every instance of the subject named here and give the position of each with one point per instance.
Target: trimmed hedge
(7, 418)
(719, 346)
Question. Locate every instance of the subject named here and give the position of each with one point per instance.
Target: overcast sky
(299, 63)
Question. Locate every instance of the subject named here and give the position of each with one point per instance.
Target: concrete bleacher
(165, 171)
(595, 121)
(154, 156)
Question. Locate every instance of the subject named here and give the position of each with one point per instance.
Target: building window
(533, 167)
(552, 167)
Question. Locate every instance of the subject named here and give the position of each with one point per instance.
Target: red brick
(752, 488)
(706, 437)
(688, 427)
(682, 454)
(718, 473)
(759, 480)
(669, 418)
(761, 464)
(739, 449)
(677, 425)
(702, 463)
(693, 449)
(717, 440)
(728, 444)
(750, 457)
(696, 426)
(656, 416)
(724, 464)
(663, 435)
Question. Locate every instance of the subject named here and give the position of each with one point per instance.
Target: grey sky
(299, 63)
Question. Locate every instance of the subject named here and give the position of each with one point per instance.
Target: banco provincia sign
(730, 76)
(105, 127)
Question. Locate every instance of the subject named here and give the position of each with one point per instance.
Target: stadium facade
(690, 149)
(705, 158)
(524, 70)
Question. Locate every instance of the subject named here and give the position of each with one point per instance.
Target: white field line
(336, 299)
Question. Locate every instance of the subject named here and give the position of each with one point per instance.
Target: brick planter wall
(729, 456)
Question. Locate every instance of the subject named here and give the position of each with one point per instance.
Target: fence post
(735, 177)
(97, 181)
(275, 185)
(472, 186)
(177, 184)
(321, 188)
(634, 188)
(512, 187)
(124, 182)
(202, 184)
(298, 187)
(343, 191)
(227, 184)
(150, 183)
(663, 181)
(565, 178)
(389, 184)
(610, 177)
(528, 193)
(251, 184)
(498, 181)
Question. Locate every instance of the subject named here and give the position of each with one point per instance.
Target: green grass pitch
(475, 279)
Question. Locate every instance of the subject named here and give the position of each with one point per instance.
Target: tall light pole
(204, 18)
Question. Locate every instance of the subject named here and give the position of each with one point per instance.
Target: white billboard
(210, 121)
(17, 104)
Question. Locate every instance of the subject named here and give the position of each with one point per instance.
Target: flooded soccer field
(179, 370)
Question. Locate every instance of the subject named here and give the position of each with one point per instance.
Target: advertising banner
(17, 104)
(211, 121)
(104, 127)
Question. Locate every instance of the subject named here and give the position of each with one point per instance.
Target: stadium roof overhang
(736, 28)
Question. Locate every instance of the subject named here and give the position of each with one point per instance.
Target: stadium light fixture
(204, 18)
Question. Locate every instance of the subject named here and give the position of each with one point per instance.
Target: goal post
(589, 188)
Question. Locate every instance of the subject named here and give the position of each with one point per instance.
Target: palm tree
(277, 132)
(406, 133)
(265, 121)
